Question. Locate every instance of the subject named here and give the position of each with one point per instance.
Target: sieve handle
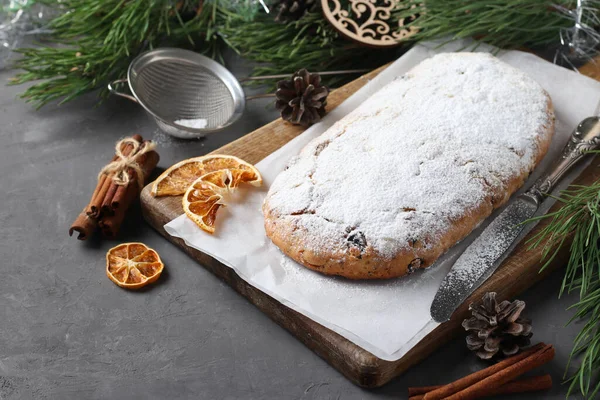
(260, 96)
(113, 90)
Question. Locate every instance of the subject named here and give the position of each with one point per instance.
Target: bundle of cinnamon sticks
(498, 379)
(119, 184)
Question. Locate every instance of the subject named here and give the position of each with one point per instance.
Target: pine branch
(312, 43)
(96, 40)
(502, 23)
(579, 218)
(309, 43)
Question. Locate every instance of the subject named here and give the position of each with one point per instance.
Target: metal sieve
(188, 94)
(180, 85)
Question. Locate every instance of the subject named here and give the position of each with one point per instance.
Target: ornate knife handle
(584, 138)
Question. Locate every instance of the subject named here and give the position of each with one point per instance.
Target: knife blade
(479, 261)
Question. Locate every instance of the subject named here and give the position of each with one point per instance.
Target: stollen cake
(413, 170)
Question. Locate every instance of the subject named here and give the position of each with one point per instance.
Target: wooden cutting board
(518, 272)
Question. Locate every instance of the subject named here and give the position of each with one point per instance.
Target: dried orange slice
(205, 196)
(133, 265)
(177, 179)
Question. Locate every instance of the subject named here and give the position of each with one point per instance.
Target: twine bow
(119, 167)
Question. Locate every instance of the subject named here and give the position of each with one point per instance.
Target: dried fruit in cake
(133, 265)
(391, 186)
(205, 196)
(177, 179)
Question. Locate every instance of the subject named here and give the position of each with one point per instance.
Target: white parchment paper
(386, 318)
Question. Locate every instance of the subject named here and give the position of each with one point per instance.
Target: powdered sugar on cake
(416, 156)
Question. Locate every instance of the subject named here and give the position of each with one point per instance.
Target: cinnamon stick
(415, 391)
(111, 224)
(114, 201)
(119, 195)
(95, 207)
(108, 196)
(106, 207)
(98, 187)
(93, 210)
(483, 387)
(532, 384)
(84, 225)
(463, 383)
(106, 201)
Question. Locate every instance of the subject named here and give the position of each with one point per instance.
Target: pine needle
(310, 43)
(94, 42)
(579, 218)
(502, 23)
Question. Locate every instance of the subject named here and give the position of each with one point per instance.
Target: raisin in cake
(410, 172)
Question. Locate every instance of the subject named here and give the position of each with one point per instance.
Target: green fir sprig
(502, 23)
(310, 43)
(93, 42)
(578, 219)
(586, 346)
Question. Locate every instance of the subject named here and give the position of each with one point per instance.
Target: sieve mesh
(178, 89)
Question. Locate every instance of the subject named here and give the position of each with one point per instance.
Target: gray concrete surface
(67, 332)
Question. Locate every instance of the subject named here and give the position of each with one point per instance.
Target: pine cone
(302, 99)
(497, 328)
(293, 10)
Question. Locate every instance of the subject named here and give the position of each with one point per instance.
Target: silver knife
(477, 263)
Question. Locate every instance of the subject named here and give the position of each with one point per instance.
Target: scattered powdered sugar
(298, 276)
(488, 249)
(164, 140)
(404, 318)
(198, 123)
(425, 150)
